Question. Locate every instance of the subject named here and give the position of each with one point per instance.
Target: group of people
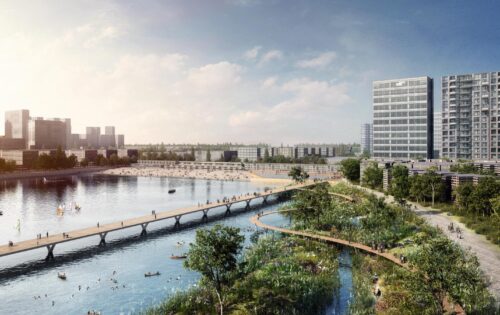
(456, 229)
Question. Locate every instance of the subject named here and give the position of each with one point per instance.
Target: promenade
(487, 253)
(102, 230)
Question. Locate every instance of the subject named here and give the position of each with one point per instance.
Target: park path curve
(386, 255)
(487, 253)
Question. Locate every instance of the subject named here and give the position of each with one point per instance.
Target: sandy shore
(198, 174)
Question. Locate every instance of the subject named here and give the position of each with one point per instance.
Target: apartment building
(470, 116)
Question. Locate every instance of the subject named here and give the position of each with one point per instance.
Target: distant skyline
(242, 71)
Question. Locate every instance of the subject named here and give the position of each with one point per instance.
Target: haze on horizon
(231, 71)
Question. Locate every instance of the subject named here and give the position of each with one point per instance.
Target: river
(109, 278)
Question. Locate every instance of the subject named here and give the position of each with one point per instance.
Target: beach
(234, 175)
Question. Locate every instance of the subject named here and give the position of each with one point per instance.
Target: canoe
(151, 274)
(178, 257)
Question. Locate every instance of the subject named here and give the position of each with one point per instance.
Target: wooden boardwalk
(102, 230)
(456, 308)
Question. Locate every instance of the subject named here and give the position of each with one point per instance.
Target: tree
(463, 196)
(445, 266)
(298, 174)
(417, 188)
(84, 162)
(7, 166)
(209, 156)
(310, 203)
(435, 185)
(486, 189)
(400, 186)
(373, 176)
(350, 169)
(214, 254)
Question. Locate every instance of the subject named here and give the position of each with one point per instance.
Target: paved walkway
(487, 253)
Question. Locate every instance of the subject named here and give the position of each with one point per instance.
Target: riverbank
(234, 175)
(52, 173)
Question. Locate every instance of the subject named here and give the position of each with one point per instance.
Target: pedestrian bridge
(102, 230)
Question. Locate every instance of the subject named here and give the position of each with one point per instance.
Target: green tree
(310, 203)
(486, 189)
(84, 162)
(463, 196)
(214, 254)
(417, 188)
(350, 169)
(400, 186)
(298, 174)
(373, 176)
(446, 267)
(434, 183)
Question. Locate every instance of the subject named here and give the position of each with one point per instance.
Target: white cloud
(252, 53)
(244, 118)
(320, 61)
(269, 82)
(271, 55)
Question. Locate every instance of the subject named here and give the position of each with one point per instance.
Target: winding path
(256, 220)
(487, 253)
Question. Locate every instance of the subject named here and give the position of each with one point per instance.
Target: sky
(246, 71)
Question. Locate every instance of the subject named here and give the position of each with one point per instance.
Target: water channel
(111, 278)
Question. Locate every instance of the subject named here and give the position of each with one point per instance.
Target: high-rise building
(287, 152)
(120, 141)
(403, 118)
(438, 134)
(366, 138)
(46, 134)
(16, 124)
(109, 131)
(93, 135)
(471, 114)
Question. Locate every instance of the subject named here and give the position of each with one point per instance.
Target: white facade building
(403, 118)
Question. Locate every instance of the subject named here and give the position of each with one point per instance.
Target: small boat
(1, 212)
(151, 274)
(178, 257)
(171, 191)
(61, 275)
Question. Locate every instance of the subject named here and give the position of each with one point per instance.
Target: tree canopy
(214, 254)
(298, 174)
(350, 169)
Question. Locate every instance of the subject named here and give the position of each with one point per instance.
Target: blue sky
(237, 70)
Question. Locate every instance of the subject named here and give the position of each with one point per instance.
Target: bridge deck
(103, 229)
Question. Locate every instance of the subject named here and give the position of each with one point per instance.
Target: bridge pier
(205, 214)
(228, 208)
(265, 199)
(144, 229)
(248, 204)
(103, 238)
(50, 254)
(177, 220)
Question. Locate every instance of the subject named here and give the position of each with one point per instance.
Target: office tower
(403, 118)
(46, 134)
(109, 130)
(366, 138)
(438, 134)
(93, 134)
(16, 124)
(470, 109)
(120, 141)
